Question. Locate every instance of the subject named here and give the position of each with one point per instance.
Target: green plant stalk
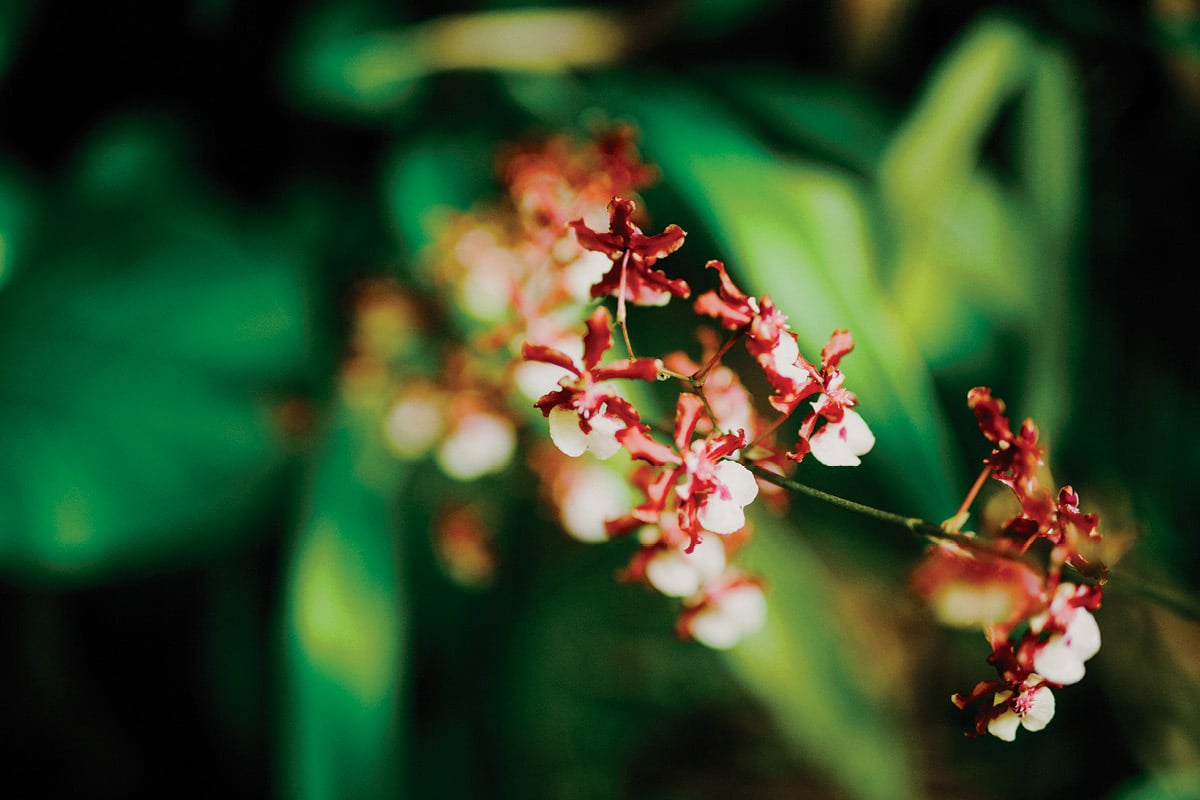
(1181, 602)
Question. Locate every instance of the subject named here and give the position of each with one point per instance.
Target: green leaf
(428, 176)
(802, 235)
(830, 120)
(1050, 155)
(17, 215)
(345, 629)
(935, 152)
(143, 351)
(808, 672)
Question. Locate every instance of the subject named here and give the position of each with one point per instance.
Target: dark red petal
(730, 315)
(643, 447)
(840, 343)
(643, 369)
(989, 411)
(729, 290)
(548, 355)
(589, 239)
(598, 337)
(687, 413)
(660, 245)
(552, 400)
(725, 445)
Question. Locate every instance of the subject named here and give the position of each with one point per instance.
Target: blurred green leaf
(805, 666)
(1177, 785)
(706, 19)
(1051, 154)
(430, 175)
(935, 152)
(141, 350)
(13, 15)
(972, 255)
(831, 120)
(342, 64)
(345, 627)
(17, 214)
(802, 234)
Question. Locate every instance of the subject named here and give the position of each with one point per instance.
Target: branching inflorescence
(531, 279)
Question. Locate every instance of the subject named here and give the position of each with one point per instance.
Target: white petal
(857, 434)
(1058, 662)
(1040, 711)
(839, 444)
(715, 629)
(584, 272)
(748, 605)
(708, 558)
(412, 425)
(598, 495)
(1005, 726)
(734, 615)
(535, 378)
(740, 481)
(784, 354)
(673, 573)
(720, 516)
(1083, 634)
(480, 443)
(602, 439)
(829, 446)
(565, 432)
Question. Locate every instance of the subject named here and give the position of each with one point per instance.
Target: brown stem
(701, 374)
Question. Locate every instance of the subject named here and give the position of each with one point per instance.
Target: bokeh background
(216, 581)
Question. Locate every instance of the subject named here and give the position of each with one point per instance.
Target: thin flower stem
(769, 430)
(975, 487)
(914, 524)
(621, 304)
(701, 374)
(1182, 603)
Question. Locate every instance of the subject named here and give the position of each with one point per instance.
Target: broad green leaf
(809, 672)
(830, 120)
(345, 628)
(934, 153)
(342, 64)
(1050, 154)
(971, 255)
(801, 234)
(144, 350)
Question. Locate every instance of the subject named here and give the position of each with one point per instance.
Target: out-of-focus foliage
(976, 197)
(147, 339)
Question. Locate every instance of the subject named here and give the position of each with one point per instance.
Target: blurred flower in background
(278, 515)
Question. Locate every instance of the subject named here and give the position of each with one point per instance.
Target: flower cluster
(695, 485)
(1040, 627)
(541, 285)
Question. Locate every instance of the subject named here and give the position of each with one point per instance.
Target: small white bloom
(1035, 709)
(412, 425)
(479, 444)
(596, 495)
(1060, 659)
(679, 574)
(568, 437)
(723, 510)
(730, 617)
(839, 444)
(583, 273)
